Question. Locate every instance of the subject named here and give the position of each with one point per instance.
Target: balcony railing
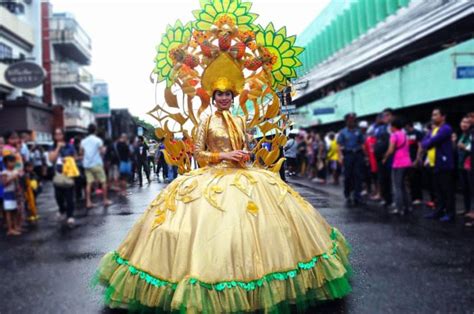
(72, 77)
(77, 118)
(16, 27)
(70, 39)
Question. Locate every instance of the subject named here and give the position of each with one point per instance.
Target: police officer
(351, 141)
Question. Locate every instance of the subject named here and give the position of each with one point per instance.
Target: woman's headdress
(223, 50)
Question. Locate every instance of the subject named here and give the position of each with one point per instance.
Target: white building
(20, 39)
(67, 53)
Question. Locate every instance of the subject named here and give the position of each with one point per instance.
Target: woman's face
(13, 140)
(58, 135)
(223, 100)
(465, 124)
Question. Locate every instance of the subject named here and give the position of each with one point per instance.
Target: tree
(148, 128)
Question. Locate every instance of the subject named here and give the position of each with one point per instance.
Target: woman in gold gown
(226, 237)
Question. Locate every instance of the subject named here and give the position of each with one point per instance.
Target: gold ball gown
(226, 238)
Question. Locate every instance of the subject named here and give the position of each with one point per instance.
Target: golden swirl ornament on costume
(228, 237)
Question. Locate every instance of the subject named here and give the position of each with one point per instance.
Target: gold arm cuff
(215, 157)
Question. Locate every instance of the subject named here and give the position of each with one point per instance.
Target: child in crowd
(31, 191)
(10, 179)
(12, 147)
(333, 158)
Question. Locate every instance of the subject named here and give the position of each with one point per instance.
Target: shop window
(13, 6)
(5, 52)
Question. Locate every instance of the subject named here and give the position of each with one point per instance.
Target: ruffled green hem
(320, 279)
(338, 288)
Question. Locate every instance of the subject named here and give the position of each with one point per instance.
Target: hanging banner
(100, 100)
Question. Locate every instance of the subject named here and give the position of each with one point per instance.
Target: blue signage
(321, 111)
(290, 110)
(464, 72)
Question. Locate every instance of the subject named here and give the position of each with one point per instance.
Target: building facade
(66, 53)
(22, 110)
(121, 122)
(366, 55)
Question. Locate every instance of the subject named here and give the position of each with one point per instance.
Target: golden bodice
(213, 137)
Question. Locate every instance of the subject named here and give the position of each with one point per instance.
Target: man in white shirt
(24, 150)
(92, 148)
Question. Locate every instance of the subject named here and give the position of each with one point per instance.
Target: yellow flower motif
(252, 208)
(212, 11)
(225, 19)
(175, 36)
(283, 48)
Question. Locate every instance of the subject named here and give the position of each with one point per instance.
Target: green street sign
(100, 106)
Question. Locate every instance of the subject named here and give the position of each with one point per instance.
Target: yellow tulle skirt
(227, 240)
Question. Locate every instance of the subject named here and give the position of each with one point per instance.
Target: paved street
(404, 265)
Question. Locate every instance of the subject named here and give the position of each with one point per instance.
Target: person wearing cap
(351, 142)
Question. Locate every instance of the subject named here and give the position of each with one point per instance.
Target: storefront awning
(421, 19)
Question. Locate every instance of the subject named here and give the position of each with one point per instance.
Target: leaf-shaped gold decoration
(281, 140)
(167, 156)
(178, 117)
(277, 166)
(249, 177)
(171, 204)
(211, 198)
(170, 98)
(274, 108)
(191, 115)
(217, 189)
(256, 117)
(243, 102)
(174, 147)
(159, 220)
(213, 188)
(188, 198)
(160, 133)
(267, 126)
(272, 156)
(261, 154)
(239, 183)
(170, 200)
(186, 189)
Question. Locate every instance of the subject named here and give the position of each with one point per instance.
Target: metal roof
(420, 19)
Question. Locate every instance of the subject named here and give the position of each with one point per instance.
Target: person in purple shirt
(443, 167)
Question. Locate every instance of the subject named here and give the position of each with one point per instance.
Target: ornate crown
(223, 50)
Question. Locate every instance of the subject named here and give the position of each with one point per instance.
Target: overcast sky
(125, 33)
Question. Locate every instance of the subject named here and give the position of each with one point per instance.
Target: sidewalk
(336, 193)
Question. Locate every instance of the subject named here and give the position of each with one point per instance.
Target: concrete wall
(426, 80)
(26, 29)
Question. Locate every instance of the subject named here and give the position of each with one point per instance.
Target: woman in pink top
(399, 147)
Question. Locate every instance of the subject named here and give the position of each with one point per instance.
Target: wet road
(404, 265)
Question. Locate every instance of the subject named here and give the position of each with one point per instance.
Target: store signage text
(25, 75)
